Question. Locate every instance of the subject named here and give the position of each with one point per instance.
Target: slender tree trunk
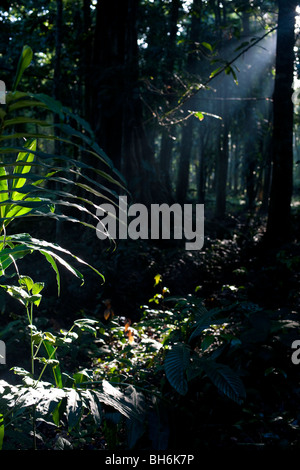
(187, 130)
(222, 167)
(139, 166)
(184, 162)
(267, 171)
(236, 167)
(279, 218)
(250, 158)
(201, 179)
(165, 158)
(58, 49)
(167, 143)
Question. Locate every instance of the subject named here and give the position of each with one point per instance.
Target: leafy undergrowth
(191, 351)
(211, 368)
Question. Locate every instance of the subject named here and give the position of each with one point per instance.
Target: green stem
(50, 357)
(43, 370)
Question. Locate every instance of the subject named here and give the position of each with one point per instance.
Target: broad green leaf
(15, 96)
(25, 104)
(113, 397)
(26, 281)
(225, 379)
(9, 255)
(93, 405)
(22, 208)
(26, 120)
(37, 287)
(27, 157)
(176, 363)
(24, 62)
(17, 293)
(74, 408)
(36, 244)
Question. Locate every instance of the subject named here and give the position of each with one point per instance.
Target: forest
(150, 226)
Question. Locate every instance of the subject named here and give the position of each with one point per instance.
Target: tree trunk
(184, 162)
(166, 150)
(250, 158)
(201, 179)
(139, 166)
(58, 48)
(187, 130)
(107, 77)
(279, 217)
(222, 167)
(165, 158)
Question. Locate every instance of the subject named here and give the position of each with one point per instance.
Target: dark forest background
(192, 103)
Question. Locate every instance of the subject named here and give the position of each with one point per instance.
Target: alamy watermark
(2, 352)
(2, 92)
(160, 221)
(296, 96)
(296, 354)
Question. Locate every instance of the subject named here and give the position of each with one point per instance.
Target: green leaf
(199, 115)
(205, 322)
(74, 408)
(216, 71)
(82, 376)
(54, 105)
(26, 120)
(24, 62)
(17, 293)
(26, 281)
(27, 157)
(229, 70)
(51, 349)
(9, 255)
(51, 260)
(176, 363)
(36, 244)
(25, 104)
(37, 287)
(225, 379)
(113, 397)
(94, 406)
(208, 46)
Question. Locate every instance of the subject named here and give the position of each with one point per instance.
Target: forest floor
(232, 267)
